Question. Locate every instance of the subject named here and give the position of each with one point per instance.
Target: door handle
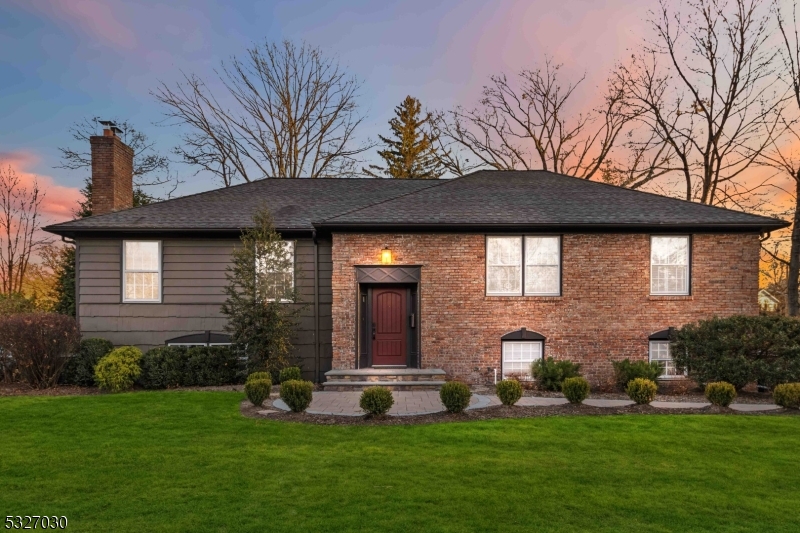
(373, 331)
(412, 319)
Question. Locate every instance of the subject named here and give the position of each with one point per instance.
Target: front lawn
(188, 461)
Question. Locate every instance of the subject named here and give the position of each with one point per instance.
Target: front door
(389, 326)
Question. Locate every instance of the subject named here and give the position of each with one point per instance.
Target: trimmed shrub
(625, 371)
(740, 350)
(257, 390)
(787, 395)
(297, 394)
(575, 389)
(455, 396)
(79, 369)
(720, 393)
(290, 373)
(37, 346)
(179, 366)
(117, 371)
(509, 391)
(549, 373)
(260, 375)
(376, 400)
(641, 390)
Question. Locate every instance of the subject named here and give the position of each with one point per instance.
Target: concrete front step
(347, 385)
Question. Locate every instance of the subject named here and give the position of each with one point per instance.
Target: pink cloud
(59, 201)
(95, 17)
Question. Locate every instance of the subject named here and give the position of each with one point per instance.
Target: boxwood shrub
(625, 371)
(641, 390)
(575, 389)
(257, 390)
(549, 373)
(509, 391)
(787, 395)
(720, 393)
(297, 394)
(260, 375)
(455, 396)
(376, 400)
(117, 371)
(179, 366)
(79, 369)
(290, 373)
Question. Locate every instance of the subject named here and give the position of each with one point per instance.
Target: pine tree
(410, 152)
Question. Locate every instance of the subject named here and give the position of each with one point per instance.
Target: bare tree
(529, 125)
(20, 222)
(287, 111)
(784, 155)
(705, 86)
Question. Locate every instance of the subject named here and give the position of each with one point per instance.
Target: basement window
(659, 352)
(520, 349)
(141, 271)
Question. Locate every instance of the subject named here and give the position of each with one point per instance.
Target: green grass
(187, 461)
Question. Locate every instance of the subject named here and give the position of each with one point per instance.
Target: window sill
(519, 297)
(670, 297)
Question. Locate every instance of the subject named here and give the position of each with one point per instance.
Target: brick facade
(112, 174)
(605, 312)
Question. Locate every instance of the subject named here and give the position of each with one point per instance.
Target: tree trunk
(794, 256)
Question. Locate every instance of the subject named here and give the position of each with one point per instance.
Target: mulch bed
(22, 389)
(489, 413)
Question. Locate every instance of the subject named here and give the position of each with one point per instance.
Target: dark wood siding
(192, 291)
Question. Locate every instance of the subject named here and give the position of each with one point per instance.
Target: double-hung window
(141, 271)
(669, 264)
(276, 273)
(529, 266)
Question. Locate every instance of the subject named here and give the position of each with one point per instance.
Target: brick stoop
(391, 378)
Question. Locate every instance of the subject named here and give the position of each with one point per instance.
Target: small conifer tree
(411, 152)
(260, 296)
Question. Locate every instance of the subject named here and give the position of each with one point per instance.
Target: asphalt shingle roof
(540, 198)
(485, 198)
(294, 204)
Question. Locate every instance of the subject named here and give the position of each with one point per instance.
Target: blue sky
(65, 60)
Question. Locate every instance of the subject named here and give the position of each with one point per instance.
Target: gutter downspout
(316, 308)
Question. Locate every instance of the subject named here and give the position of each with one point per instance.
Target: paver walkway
(407, 403)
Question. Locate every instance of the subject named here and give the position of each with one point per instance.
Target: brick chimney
(112, 173)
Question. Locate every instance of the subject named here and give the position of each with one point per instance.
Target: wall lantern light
(386, 256)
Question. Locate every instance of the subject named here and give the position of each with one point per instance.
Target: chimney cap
(111, 126)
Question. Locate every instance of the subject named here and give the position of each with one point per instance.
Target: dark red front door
(389, 326)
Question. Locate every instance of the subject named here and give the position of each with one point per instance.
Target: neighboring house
(464, 278)
(767, 301)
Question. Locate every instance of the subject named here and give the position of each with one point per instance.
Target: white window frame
(523, 265)
(669, 362)
(125, 271)
(294, 264)
(688, 289)
(509, 344)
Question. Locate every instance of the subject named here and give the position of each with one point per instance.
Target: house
(767, 301)
(415, 280)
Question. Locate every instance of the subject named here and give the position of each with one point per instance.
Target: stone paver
(679, 405)
(597, 402)
(532, 401)
(267, 412)
(753, 407)
(408, 403)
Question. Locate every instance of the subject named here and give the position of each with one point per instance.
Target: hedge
(180, 366)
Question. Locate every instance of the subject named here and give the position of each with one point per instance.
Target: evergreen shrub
(455, 396)
(79, 369)
(550, 373)
(117, 371)
(787, 395)
(641, 390)
(290, 373)
(509, 391)
(625, 371)
(720, 393)
(297, 394)
(257, 390)
(575, 389)
(376, 400)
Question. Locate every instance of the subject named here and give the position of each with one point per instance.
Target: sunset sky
(65, 60)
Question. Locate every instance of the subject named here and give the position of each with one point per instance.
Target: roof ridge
(351, 211)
